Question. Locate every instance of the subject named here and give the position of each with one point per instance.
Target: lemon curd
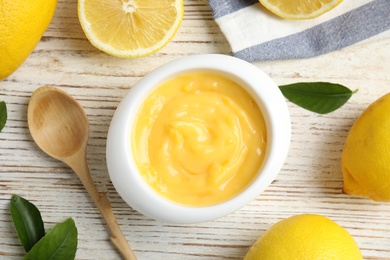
(199, 139)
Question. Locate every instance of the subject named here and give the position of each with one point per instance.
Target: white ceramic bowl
(124, 173)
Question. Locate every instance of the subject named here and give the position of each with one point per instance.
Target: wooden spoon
(59, 126)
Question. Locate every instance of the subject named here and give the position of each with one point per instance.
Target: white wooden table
(309, 182)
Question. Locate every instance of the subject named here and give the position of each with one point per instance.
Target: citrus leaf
(27, 221)
(3, 114)
(318, 97)
(60, 243)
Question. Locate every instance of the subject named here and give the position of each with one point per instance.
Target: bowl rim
(139, 195)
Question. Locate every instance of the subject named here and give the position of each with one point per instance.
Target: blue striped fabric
(224, 7)
(348, 28)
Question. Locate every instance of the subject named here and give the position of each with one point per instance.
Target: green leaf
(27, 221)
(318, 97)
(3, 114)
(60, 243)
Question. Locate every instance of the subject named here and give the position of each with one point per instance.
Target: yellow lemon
(305, 237)
(22, 24)
(366, 155)
(299, 9)
(130, 28)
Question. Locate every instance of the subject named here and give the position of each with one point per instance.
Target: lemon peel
(305, 236)
(366, 154)
(22, 25)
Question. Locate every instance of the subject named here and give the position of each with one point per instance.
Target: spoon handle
(78, 163)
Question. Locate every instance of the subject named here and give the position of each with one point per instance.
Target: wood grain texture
(309, 182)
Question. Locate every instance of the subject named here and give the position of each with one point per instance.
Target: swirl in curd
(199, 139)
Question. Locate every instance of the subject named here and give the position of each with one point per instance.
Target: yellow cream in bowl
(199, 139)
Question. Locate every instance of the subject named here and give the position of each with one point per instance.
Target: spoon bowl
(59, 126)
(64, 138)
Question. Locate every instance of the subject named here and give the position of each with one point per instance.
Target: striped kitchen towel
(254, 34)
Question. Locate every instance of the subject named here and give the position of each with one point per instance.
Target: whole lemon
(22, 24)
(305, 237)
(366, 155)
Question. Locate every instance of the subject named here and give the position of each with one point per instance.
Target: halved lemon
(299, 9)
(130, 28)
